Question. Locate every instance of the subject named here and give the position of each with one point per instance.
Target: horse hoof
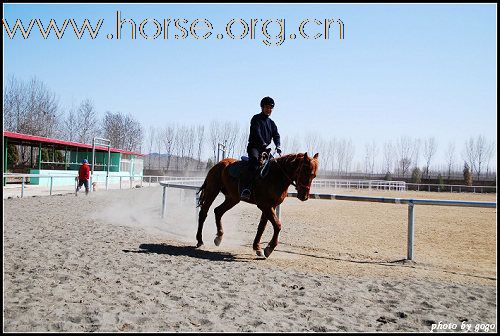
(217, 240)
(268, 251)
(199, 244)
(260, 253)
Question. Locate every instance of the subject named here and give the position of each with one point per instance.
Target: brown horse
(268, 192)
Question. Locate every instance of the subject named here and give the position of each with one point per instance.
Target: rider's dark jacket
(262, 130)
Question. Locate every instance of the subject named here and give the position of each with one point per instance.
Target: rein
(291, 180)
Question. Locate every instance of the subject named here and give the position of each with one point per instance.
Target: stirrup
(245, 194)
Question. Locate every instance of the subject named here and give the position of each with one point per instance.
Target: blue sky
(419, 70)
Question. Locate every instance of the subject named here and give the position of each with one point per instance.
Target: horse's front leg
(260, 230)
(271, 215)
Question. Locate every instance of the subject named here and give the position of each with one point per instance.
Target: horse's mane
(289, 159)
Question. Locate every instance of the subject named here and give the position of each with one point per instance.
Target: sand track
(109, 263)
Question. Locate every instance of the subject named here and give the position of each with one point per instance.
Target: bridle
(297, 174)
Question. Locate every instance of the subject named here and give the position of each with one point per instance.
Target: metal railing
(360, 184)
(99, 179)
(317, 183)
(451, 188)
(96, 178)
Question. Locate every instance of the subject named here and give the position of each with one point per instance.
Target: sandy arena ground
(108, 262)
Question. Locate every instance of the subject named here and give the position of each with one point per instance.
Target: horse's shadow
(189, 251)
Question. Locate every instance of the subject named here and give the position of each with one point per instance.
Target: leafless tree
(31, 108)
(169, 141)
(416, 152)
(189, 140)
(388, 156)
(490, 150)
(331, 152)
(430, 148)
(151, 140)
(324, 149)
(111, 125)
(341, 154)
(133, 134)
(350, 150)
(314, 143)
(230, 131)
(481, 148)
(160, 139)
(123, 131)
(177, 147)
(87, 121)
(290, 144)
(243, 142)
(469, 153)
(404, 147)
(180, 145)
(450, 157)
(200, 141)
(70, 125)
(321, 150)
(467, 174)
(476, 151)
(345, 154)
(215, 134)
(311, 141)
(14, 105)
(370, 155)
(224, 133)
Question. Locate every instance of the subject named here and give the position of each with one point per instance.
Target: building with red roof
(30, 154)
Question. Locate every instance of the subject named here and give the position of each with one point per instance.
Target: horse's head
(305, 174)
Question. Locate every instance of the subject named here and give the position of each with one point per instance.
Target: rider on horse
(262, 131)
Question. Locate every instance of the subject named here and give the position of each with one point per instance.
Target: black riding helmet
(267, 101)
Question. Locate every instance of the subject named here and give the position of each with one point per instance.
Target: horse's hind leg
(219, 212)
(210, 197)
(260, 230)
(271, 215)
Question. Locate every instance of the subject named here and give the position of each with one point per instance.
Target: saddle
(239, 169)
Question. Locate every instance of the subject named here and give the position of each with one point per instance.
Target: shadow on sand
(189, 251)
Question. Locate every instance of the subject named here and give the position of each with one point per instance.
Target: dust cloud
(141, 209)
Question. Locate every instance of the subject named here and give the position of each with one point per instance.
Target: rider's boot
(246, 186)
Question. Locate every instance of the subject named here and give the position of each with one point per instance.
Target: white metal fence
(149, 180)
(360, 184)
(125, 181)
(451, 188)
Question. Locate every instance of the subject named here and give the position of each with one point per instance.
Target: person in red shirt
(83, 177)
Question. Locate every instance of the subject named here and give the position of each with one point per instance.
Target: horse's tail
(201, 191)
(211, 186)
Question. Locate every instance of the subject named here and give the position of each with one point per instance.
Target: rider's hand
(278, 150)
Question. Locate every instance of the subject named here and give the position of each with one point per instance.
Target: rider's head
(85, 161)
(267, 105)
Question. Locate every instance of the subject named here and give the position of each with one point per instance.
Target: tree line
(402, 157)
(32, 108)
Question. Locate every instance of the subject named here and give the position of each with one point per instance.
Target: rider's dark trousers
(253, 155)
